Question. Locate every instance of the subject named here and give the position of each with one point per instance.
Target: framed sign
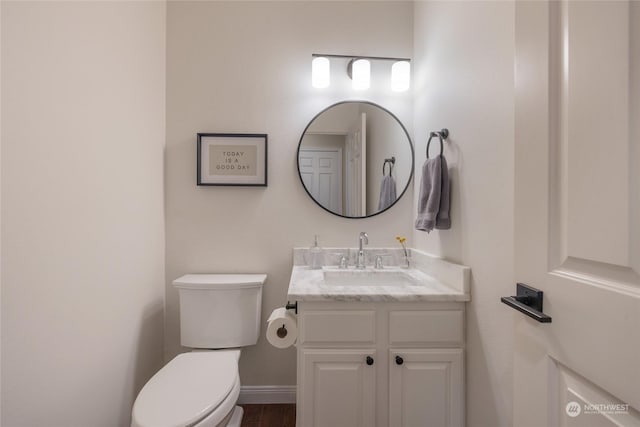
(232, 159)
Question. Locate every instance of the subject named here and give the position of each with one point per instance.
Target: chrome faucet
(363, 238)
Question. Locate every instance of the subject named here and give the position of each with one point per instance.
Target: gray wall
(463, 80)
(246, 67)
(83, 107)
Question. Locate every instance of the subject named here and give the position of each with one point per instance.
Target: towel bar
(391, 161)
(442, 135)
(528, 300)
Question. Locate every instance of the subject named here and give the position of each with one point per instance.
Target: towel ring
(442, 136)
(391, 162)
(433, 134)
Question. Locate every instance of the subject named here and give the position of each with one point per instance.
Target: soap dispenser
(316, 258)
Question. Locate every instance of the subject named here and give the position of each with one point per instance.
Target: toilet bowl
(218, 314)
(194, 389)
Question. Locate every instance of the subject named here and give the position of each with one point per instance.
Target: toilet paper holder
(282, 331)
(292, 306)
(282, 327)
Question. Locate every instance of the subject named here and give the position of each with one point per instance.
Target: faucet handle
(340, 258)
(344, 262)
(378, 263)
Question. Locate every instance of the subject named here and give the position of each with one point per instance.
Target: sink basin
(367, 277)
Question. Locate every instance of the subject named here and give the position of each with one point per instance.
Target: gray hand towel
(433, 199)
(387, 192)
(443, 222)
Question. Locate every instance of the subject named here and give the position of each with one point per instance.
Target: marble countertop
(310, 285)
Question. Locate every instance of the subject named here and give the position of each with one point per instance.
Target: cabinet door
(426, 388)
(338, 388)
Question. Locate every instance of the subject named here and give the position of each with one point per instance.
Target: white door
(357, 168)
(577, 211)
(338, 388)
(321, 172)
(426, 388)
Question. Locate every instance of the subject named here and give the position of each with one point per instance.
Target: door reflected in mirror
(355, 159)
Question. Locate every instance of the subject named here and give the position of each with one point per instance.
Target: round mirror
(355, 159)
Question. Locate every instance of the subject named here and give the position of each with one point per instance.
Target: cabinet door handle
(369, 360)
(399, 360)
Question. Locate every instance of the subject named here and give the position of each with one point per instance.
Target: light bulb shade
(320, 76)
(400, 76)
(361, 74)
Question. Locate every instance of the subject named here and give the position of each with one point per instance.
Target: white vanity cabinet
(383, 364)
(339, 388)
(426, 387)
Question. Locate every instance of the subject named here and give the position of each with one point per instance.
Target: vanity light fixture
(359, 70)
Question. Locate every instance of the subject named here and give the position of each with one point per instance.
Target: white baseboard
(267, 394)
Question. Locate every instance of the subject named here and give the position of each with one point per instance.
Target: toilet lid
(186, 390)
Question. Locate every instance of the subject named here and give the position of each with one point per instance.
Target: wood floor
(280, 415)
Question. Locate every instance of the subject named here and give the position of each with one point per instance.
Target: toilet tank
(220, 310)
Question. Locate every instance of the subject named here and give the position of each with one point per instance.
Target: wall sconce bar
(359, 70)
(375, 58)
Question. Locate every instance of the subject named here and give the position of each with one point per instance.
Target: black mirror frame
(413, 158)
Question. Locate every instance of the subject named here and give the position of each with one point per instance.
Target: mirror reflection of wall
(342, 153)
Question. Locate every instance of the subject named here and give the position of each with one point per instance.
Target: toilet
(219, 314)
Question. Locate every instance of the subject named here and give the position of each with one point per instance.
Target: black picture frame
(232, 159)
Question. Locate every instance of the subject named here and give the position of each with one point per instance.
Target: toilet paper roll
(282, 328)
